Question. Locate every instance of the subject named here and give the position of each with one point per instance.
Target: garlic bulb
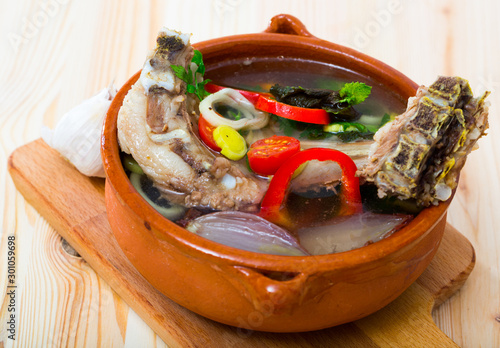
(77, 136)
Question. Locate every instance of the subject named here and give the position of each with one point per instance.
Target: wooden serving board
(74, 205)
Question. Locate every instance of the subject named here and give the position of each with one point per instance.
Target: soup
(261, 74)
(314, 207)
(284, 147)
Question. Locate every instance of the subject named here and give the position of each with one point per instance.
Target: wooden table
(56, 53)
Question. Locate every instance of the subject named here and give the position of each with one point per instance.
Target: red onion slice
(350, 232)
(247, 232)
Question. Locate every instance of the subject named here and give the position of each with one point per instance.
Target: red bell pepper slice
(317, 116)
(251, 96)
(265, 102)
(271, 207)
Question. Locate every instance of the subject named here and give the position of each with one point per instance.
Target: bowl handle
(287, 24)
(275, 292)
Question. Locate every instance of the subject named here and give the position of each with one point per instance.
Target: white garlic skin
(77, 136)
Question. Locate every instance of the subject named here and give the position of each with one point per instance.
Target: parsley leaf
(191, 77)
(354, 92)
(198, 60)
(201, 93)
(181, 73)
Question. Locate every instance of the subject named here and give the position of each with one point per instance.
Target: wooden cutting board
(74, 205)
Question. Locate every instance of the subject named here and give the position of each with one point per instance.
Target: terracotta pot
(261, 291)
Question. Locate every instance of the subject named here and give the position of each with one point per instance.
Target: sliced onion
(247, 232)
(251, 118)
(347, 233)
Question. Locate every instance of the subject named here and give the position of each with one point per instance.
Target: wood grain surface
(56, 53)
(74, 205)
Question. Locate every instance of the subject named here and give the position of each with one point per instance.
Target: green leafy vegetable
(337, 104)
(285, 125)
(371, 128)
(235, 116)
(227, 111)
(347, 137)
(354, 92)
(191, 77)
(181, 73)
(313, 98)
(314, 132)
(350, 131)
(386, 118)
(339, 127)
(198, 60)
(131, 164)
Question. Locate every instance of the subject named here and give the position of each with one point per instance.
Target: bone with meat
(157, 129)
(420, 154)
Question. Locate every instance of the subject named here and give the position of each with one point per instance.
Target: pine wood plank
(85, 45)
(74, 205)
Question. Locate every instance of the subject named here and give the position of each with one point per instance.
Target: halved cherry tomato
(267, 155)
(206, 131)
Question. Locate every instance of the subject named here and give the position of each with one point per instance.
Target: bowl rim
(195, 245)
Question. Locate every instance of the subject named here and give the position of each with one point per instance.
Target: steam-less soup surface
(314, 208)
(261, 74)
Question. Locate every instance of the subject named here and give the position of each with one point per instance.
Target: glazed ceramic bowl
(260, 291)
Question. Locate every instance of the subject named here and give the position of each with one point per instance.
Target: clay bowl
(260, 291)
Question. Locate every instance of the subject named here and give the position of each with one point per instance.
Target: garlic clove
(77, 136)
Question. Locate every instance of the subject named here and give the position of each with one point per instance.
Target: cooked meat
(317, 174)
(420, 154)
(157, 130)
(165, 93)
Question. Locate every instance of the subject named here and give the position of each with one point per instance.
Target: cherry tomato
(206, 131)
(267, 155)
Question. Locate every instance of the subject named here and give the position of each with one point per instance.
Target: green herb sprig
(350, 131)
(191, 77)
(354, 92)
